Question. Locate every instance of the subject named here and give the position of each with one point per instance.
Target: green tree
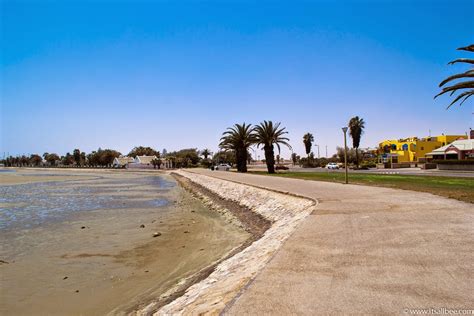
(268, 134)
(205, 153)
(51, 158)
(68, 159)
(156, 163)
(142, 151)
(308, 140)
(227, 156)
(35, 160)
(294, 158)
(77, 157)
(356, 129)
(238, 139)
(466, 87)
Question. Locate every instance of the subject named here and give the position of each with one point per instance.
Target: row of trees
(101, 157)
(356, 127)
(190, 157)
(240, 137)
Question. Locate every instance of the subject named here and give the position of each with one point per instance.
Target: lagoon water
(28, 205)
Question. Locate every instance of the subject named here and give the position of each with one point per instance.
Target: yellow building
(413, 148)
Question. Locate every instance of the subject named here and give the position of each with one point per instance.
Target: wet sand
(102, 261)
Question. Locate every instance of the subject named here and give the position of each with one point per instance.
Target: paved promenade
(365, 250)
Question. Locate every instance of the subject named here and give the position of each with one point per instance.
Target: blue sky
(175, 74)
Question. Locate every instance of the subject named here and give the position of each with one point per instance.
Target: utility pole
(344, 129)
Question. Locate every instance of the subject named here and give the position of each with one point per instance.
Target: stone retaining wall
(214, 293)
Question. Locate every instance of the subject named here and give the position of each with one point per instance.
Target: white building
(122, 162)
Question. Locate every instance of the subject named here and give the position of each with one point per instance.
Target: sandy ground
(112, 264)
(365, 251)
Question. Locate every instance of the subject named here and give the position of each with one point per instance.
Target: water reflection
(27, 205)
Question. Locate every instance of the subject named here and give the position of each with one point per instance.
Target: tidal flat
(82, 241)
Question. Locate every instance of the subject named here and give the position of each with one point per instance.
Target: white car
(332, 165)
(222, 166)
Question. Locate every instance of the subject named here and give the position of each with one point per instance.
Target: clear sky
(175, 74)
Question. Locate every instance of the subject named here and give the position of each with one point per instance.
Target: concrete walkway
(365, 250)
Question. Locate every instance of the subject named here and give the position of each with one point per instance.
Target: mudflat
(88, 246)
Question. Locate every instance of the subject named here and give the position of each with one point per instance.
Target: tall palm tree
(267, 134)
(356, 129)
(238, 138)
(466, 87)
(308, 140)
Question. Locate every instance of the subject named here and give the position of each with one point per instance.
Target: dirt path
(365, 250)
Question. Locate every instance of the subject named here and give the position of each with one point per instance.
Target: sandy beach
(106, 259)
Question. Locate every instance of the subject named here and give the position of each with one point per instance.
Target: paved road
(405, 171)
(365, 250)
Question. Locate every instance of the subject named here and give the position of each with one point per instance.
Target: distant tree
(51, 159)
(35, 160)
(102, 157)
(77, 157)
(294, 158)
(238, 139)
(351, 155)
(225, 157)
(356, 129)
(205, 153)
(142, 151)
(156, 163)
(205, 162)
(466, 87)
(308, 140)
(184, 158)
(68, 159)
(278, 159)
(164, 152)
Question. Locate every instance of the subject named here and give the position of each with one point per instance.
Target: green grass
(452, 187)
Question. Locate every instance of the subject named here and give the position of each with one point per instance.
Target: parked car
(222, 166)
(281, 167)
(332, 165)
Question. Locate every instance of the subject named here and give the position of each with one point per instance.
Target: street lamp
(344, 129)
(318, 149)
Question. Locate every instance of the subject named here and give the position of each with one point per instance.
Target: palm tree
(267, 135)
(308, 140)
(467, 87)
(206, 153)
(238, 138)
(356, 129)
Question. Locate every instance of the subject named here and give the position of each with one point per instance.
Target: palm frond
(462, 60)
(460, 85)
(469, 48)
(467, 74)
(464, 95)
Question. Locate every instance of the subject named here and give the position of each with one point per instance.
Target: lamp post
(344, 129)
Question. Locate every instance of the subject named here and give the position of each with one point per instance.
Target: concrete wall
(400, 165)
(455, 167)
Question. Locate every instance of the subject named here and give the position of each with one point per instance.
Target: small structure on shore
(122, 162)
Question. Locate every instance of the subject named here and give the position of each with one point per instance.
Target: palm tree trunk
(241, 157)
(357, 157)
(270, 158)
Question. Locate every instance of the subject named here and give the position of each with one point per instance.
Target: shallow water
(28, 205)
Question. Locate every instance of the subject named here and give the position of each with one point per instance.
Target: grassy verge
(456, 188)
